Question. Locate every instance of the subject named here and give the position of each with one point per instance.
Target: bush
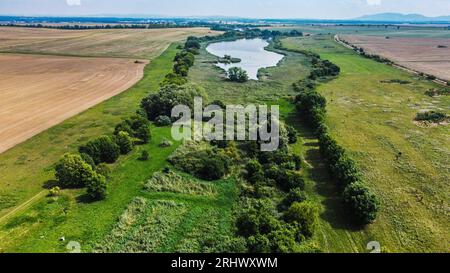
(296, 195)
(165, 143)
(361, 202)
(174, 79)
(162, 121)
(192, 43)
(73, 172)
(96, 187)
(136, 126)
(55, 191)
(213, 168)
(258, 244)
(432, 116)
(88, 159)
(162, 103)
(103, 170)
(102, 150)
(144, 156)
(125, 142)
(237, 74)
(282, 241)
(305, 215)
(254, 172)
(292, 134)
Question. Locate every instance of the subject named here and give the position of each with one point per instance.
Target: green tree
(363, 204)
(125, 142)
(96, 187)
(73, 172)
(237, 74)
(305, 215)
(102, 150)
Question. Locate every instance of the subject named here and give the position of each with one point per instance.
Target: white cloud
(373, 2)
(73, 2)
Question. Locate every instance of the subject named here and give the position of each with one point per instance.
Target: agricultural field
(120, 43)
(425, 55)
(38, 92)
(371, 114)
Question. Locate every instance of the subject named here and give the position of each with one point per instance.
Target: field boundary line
(24, 205)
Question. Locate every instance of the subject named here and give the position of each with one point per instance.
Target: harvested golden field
(123, 43)
(38, 92)
(426, 55)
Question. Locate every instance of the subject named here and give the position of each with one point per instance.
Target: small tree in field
(362, 203)
(96, 187)
(125, 142)
(237, 74)
(73, 172)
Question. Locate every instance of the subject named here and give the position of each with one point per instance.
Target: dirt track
(38, 92)
(426, 55)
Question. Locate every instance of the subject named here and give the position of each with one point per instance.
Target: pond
(251, 52)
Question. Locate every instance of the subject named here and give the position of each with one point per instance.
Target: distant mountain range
(398, 17)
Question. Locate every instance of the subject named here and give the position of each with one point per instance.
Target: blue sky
(321, 9)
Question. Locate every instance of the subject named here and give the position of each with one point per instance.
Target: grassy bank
(407, 165)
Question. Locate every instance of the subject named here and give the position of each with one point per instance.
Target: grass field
(123, 43)
(38, 92)
(374, 121)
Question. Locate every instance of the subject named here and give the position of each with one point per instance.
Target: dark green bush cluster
(432, 116)
(89, 168)
(312, 106)
(73, 172)
(201, 161)
(162, 103)
(137, 127)
(438, 92)
(237, 74)
(183, 61)
(323, 68)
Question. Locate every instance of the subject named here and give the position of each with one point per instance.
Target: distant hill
(398, 17)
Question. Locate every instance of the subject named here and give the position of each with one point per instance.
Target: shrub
(102, 150)
(282, 241)
(162, 121)
(136, 126)
(55, 191)
(292, 134)
(125, 142)
(254, 172)
(296, 195)
(361, 202)
(258, 244)
(72, 171)
(165, 143)
(237, 74)
(305, 215)
(144, 134)
(192, 43)
(103, 170)
(213, 168)
(144, 156)
(432, 116)
(162, 103)
(96, 187)
(174, 79)
(88, 159)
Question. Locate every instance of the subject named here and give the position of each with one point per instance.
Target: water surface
(251, 52)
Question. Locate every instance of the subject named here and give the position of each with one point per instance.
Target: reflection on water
(251, 52)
